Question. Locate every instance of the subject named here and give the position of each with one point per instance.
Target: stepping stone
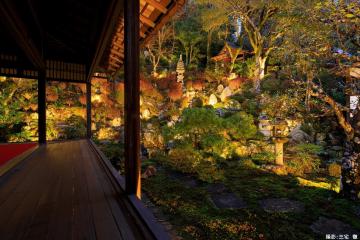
(227, 201)
(282, 205)
(176, 175)
(188, 181)
(332, 226)
(217, 188)
(357, 211)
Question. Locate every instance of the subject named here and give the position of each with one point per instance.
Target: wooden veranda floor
(62, 192)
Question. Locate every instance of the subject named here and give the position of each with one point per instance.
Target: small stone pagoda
(180, 70)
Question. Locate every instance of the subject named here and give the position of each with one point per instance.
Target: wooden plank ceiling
(71, 39)
(153, 15)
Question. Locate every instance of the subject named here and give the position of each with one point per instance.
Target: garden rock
(186, 180)
(332, 226)
(220, 88)
(227, 201)
(299, 136)
(225, 94)
(149, 172)
(213, 99)
(357, 211)
(337, 148)
(217, 188)
(282, 205)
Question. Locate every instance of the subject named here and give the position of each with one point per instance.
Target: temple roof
(224, 54)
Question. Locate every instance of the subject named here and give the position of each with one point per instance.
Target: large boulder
(299, 136)
(225, 94)
(213, 99)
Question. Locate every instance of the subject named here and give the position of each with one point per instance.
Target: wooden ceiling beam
(20, 34)
(112, 17)
(173, 8)
(147, 21)
(116, 53)
(157, 6)
(121, 46)
(116, 59)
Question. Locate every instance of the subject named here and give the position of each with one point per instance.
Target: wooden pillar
(132, 98)
(88, 109)
(42, 107)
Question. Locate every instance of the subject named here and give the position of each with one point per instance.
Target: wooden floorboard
(62, 192)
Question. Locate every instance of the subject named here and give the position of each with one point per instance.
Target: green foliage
(285, 105)
(304, 159)
(203, 140)
(240, 126)
(247, 163)
(334, 170)
(245, 68)
(115, 153)
(76, 127)
(17, 100)
(209, 171)
(184, 158)
(194, 123)
(264, 157)
(215, 144)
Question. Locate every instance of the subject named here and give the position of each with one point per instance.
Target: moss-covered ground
(194, 216)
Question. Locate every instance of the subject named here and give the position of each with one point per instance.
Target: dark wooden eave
(153, 15)
(72, 39)
(65, 37)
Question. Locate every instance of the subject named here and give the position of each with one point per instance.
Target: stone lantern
(180, 70)
(265, 126)
(280, 133)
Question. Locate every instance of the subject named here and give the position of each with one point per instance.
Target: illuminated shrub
(217, 144)
(247, 163)
(185, 102)
(198, 84)
(76, 127)
(175, 92)
(236, 83)
(188, 160)
(304, 159)
(197, 102)
(334, 170)
(208, 170)
(188, 84)
(82, 100)
(184, 159)
(264, 157)
(145, 86)
(18, 100)
(106, 134)
(82, 87)
(202, 141)
(51, 94)
(119, 93)
(62, 86)
(164, 83)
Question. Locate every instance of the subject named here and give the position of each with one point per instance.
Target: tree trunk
(232, 64)
(350, 171)
(190, 54)
(350, 174)
(259, 72)
(154, 72)
(208, 48)
(187, 57)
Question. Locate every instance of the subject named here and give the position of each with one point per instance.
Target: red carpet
(9, 151)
